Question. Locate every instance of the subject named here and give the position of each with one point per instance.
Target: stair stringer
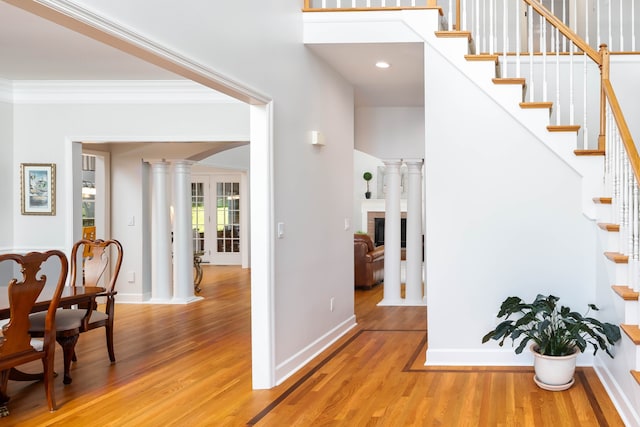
(508, 98)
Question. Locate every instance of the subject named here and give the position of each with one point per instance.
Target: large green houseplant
(556, 332)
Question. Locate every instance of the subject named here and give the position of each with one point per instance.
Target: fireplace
(378, 232)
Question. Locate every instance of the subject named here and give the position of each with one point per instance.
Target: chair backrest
(95, 265)
(23, 294)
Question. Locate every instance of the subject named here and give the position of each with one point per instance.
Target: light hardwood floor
(190, 366)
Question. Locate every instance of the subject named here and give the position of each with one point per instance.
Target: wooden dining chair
(72, 321)
(16, 345)
(93, 267)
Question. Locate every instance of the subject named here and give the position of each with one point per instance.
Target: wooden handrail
(625, 133)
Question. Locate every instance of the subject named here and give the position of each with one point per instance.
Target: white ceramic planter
(554, 372)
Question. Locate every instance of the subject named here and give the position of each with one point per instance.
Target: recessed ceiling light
(383, 64)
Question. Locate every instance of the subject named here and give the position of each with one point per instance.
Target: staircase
(598, 206)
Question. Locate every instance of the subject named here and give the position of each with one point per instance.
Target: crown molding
(112, 92)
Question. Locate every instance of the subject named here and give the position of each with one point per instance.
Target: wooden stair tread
(609, 227)
(548, 105)
(454, 34)
(563, 128)
(482, 57)
(625, 292)
(617, 257)
(603, 200)
(636, 375)
(633, 332)
(588, 152)
(510, 81)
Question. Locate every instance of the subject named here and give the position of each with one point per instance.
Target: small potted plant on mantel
(558, 335)
(367, 176)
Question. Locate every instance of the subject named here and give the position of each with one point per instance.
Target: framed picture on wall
(38, 188)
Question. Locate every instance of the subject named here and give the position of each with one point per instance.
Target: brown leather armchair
(368, 262)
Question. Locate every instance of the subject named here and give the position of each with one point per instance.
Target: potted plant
(558, 335)
(367, 176)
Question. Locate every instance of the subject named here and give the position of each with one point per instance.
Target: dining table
(71, 295)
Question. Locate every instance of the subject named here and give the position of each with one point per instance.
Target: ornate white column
(182, 234)
(392, 237)
(160, 234)
(413, 286)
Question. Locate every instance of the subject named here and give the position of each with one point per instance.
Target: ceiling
(33, 48)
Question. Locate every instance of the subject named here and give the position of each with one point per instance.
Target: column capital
(413, 162)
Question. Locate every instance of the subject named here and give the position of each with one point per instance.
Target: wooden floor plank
(189, 365)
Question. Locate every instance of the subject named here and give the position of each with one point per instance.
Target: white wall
(260, 45)
(9, 172)
(503, 217)
(390, 132)
(624, 78)
(50, 142)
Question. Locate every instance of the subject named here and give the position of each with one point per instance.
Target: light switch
(280, 230)
(347, 223)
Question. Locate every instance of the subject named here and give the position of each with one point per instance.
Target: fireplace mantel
(375, 208)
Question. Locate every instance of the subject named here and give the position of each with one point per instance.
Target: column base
(415, 302)
(186, 300)
(391, 302)
(402, 302)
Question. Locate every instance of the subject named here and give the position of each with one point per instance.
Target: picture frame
(38, 188)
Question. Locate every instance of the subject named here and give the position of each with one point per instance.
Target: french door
(216, 218)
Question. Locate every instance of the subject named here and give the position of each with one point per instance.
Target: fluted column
(392, 236)
(413, 285)
(182, 234)
(161, 291)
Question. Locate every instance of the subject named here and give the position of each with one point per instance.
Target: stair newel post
(604, 75)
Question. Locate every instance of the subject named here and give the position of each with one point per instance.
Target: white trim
(262, 247)
(304, 356)
(114, 92)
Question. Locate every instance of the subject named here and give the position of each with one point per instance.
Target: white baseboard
(628, 412)
(489, 357)
(300, 359)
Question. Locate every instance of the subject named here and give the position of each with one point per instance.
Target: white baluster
(610, 40)
(477, 26)
(504, 70)
(585, 133)
(543, 48)
(572, 106)
(324, 4)
(636, 230)
(464, 11)
(531, 73)
(586, 23)
(621, 26)
(557, 108)
(518, 38)
(450, 16)
(633, 26)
